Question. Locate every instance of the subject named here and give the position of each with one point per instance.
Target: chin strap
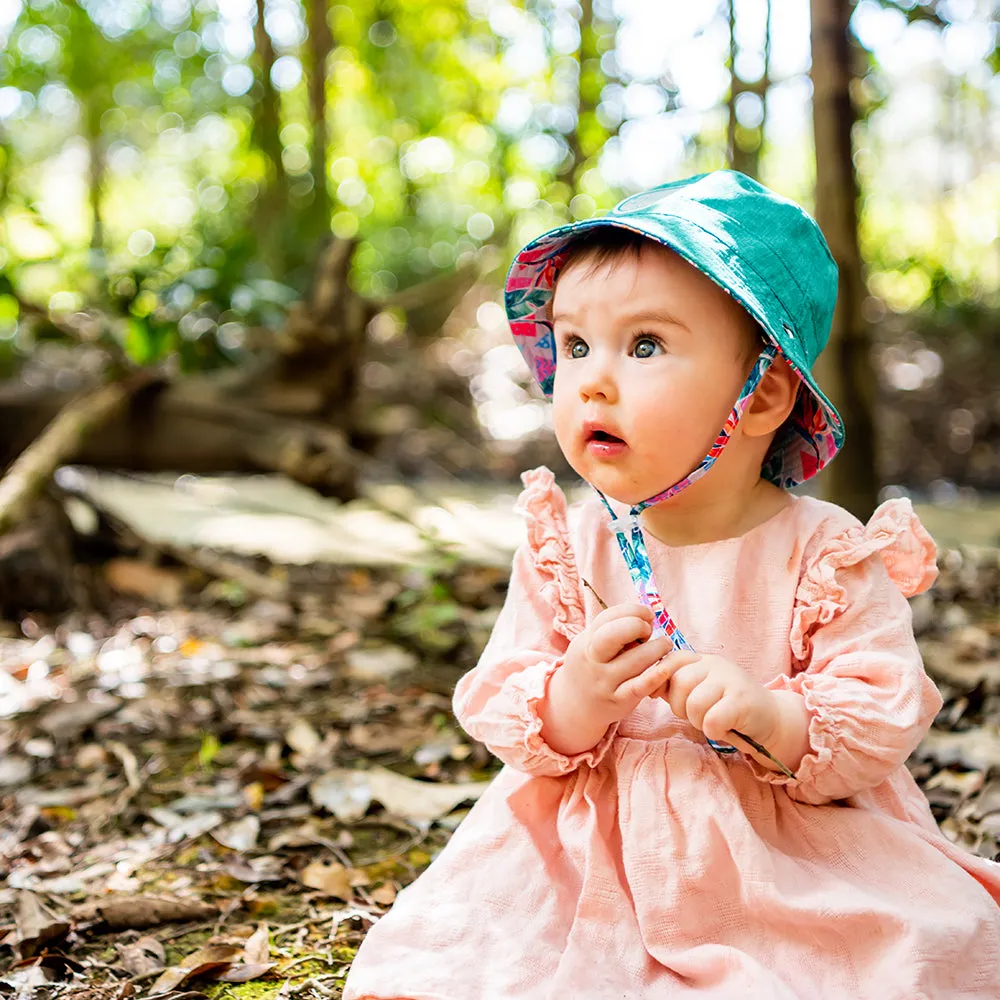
(629, 531)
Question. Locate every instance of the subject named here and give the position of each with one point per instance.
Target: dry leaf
(975, 749)
(384, 895)
(36, 924)
(344, 793)
(257, 950)
(245, 972)
(210, 958)
(420, 801)
(347, 794)
(302, 738)
(253, 795)
(148, 911)
(151, 583)
(263, 869)
(329, 877)
(142, 957)
(240, 835)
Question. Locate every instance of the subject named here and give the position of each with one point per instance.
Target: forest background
(261, 420)
(170, 173)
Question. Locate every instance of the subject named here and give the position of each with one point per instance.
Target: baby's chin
(610, 484)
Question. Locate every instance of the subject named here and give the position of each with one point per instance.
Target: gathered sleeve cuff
(860, 673)
(498, 701)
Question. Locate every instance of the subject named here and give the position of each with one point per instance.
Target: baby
(704, 711)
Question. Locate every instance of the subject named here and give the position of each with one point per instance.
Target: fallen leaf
(264, 869)
(139, 579)
(347, 794)
(240, 835)
(243, 973)
(420, 802)
(975, 749)
(384, 895)
(210, 958)
(378, 663)
(149, 911)
(68, 798)
(140, 958)
(303, 738)
(36, 924)
(253, 795)
(14, 770)
(68, 721)
(257, 950)
(329, 877)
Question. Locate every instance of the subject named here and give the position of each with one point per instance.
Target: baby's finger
(682, 683)
(642, 685)
(608, 640)
(704, 697)
(719, 720)
(681, 658)
(628, 609)
(634, 661)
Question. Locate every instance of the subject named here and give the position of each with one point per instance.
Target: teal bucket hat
(763, 249)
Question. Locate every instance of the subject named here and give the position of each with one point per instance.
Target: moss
(178, 949)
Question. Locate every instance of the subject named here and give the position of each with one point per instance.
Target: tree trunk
(320, 45)
(267, 138)
(846, 369)
(586, 101)
(743, 144)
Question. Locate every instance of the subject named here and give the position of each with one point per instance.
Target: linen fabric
(649, 866)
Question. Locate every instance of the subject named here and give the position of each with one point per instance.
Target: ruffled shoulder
(895, 533)
(544, 505)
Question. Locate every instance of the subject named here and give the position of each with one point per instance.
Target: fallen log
(180, 427)
(33, 468)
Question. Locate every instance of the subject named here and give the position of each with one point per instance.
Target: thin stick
(743, 736)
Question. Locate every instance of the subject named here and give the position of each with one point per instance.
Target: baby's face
(653, 354)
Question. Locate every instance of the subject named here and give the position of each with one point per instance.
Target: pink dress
(649, 866)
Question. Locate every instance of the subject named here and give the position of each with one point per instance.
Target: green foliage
(439, 141)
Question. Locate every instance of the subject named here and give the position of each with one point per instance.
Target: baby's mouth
(605, 437)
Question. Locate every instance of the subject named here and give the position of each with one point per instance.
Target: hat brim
(814, 431)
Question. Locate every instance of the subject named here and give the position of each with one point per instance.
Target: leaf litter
(202, 796)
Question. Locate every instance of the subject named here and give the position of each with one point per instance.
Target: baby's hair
(593, 248)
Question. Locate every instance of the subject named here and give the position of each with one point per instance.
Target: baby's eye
(646, 347)
(575, 348)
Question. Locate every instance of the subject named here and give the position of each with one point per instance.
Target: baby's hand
(610, 666)
(715, 695)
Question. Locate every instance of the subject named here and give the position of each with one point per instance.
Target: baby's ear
(772, 401)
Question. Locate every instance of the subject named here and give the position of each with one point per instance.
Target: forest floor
(219, 796)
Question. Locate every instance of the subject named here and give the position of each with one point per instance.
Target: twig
(301, 960)
(760, 749)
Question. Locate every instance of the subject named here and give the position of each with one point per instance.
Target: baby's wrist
(789, 739)
(569, 725)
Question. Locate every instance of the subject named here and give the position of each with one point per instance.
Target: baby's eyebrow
(643, 315)
(656, 315)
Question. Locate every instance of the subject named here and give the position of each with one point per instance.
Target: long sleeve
(862, 679)
(498, 701)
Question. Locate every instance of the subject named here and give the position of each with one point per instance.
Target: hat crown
(771, 235)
